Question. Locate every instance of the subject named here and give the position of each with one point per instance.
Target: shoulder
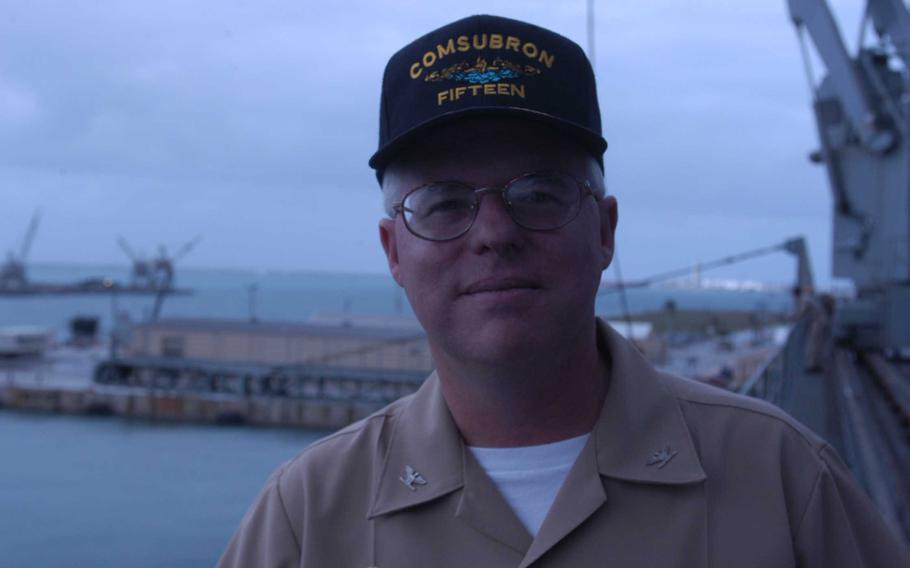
(705, 406)
(329, 483)
(360, 441)
(751, 442)
(752, 451)
(755, 453)
(342, 466)
(719, 422)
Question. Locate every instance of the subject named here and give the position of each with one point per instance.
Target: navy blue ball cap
(487, 65)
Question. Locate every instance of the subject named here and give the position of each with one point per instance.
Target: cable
(863, 25)
(591, 32)
(670, 274)
(807, 62)
(623, 300)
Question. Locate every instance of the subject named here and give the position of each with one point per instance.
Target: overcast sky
(251, 122)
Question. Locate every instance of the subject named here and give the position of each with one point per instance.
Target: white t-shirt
(529, 477)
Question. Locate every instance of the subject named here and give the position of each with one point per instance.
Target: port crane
(155, 276)
(141, 271)
(162, 271)
(862, 112)
(157, 273)
(855, 390)
(13, 275)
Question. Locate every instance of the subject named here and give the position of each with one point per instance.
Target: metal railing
(773, 380)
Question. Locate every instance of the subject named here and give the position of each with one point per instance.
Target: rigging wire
(671, 274)
(807, 62)
(591, 32)
(863, 25)
(624, 301)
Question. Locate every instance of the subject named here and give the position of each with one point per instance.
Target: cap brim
(592, 141)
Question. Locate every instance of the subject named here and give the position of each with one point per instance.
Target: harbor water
(110, 493)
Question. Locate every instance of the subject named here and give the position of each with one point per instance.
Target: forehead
(487, 150)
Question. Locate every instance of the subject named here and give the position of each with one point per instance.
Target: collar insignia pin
(661, 457)
(411, 478)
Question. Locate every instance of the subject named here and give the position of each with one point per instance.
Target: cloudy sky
(250, 122)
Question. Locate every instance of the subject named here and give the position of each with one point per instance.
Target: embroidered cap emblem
(661, 457)
(411, 478)
(481, 72)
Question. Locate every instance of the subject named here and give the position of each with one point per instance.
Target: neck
(526, 401)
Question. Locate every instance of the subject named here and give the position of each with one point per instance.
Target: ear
(609, 217)
(388, 238)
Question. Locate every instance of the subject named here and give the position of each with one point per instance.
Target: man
(543, 438)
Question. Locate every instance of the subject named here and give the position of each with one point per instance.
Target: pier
(80, 382)
(320, 375)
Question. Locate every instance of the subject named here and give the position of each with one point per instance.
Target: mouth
(500, 285)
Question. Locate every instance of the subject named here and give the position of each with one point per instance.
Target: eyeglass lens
(445, 210)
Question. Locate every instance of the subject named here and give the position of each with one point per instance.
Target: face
(499, 290)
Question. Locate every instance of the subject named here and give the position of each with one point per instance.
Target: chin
(496, 340)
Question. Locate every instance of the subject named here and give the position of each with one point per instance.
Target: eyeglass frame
(584, 190)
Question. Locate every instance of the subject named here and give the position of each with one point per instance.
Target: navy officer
(543, 438)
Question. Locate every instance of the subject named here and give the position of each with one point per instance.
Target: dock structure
(179, 406)
(323, 375)
(858, 400)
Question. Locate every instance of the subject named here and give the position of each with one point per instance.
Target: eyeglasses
(445, 210)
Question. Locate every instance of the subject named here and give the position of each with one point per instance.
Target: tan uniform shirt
(675, 474)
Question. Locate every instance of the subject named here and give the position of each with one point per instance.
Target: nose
(493, 229)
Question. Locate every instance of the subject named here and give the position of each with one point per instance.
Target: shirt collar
(641, 435)
(424, 438)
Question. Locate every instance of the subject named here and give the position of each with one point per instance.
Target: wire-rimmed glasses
(538, 201)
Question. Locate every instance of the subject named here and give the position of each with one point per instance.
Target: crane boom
(125, 247)
(186, 248)
(891, 19)
(817, 19)
(29, 236)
